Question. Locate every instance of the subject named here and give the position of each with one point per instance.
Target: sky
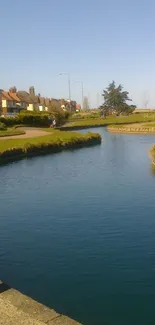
(95, 41)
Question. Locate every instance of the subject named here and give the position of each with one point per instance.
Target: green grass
(150, 124)
(152, 153)
(11, 131)
(85, 115)
(86, 123)
(56, 141)
(145, 125)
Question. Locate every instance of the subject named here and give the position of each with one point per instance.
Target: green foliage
(35, 118)
(26, 119)
(82, 116)
(61, 117)
(54, 106)
(115, 100)
(2, 126)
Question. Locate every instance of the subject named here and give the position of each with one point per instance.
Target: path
(30, 133)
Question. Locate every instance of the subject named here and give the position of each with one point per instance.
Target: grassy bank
(11, 131)
(152, 154)
(133, 128)
(54, 142)
(97, 122)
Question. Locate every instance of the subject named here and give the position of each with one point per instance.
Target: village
(14, 101)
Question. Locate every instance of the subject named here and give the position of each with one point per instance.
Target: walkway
(30, 133)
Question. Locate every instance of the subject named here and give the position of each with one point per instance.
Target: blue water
(77, 230)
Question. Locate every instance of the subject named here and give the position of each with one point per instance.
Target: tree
(85, 103)
(115, 100)
(54, 106)
(145, 99)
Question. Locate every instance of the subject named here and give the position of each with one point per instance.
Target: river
(77, 230)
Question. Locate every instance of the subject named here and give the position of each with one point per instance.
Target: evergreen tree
(115, 100)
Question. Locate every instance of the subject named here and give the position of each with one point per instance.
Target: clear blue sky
(95, 40)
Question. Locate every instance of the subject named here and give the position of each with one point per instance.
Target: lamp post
(80, 82)
(69, 82)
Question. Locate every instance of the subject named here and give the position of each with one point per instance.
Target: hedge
(2, 126)
(35, 119)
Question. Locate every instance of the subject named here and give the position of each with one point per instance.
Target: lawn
(11, 131)
(96, 122)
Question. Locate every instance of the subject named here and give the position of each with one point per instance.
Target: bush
(2, 126)
(27, 119)
(60, 117)
(35, 118)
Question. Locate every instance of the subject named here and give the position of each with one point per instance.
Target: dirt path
(30, 133)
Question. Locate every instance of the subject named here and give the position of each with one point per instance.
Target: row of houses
(13, 101)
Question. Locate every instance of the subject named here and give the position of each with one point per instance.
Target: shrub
(35, 118)
(27, 119)
(2, 126)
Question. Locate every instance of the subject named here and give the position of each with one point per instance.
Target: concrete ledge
(16, 309)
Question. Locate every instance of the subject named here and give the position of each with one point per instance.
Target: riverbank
(55, 141)
(152, 154)
(110, 120)
(16, 308)
(135, 128)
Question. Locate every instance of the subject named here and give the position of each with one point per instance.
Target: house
(47, 104)
(78, 107)
(41, 103)
(68, 105)
(14, 101)
(11, 103)
(71, 105)
(31, 100)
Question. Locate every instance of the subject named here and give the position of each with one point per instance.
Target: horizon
(96, 43)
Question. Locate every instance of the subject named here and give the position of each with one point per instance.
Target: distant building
(78, 107)
(14, 101)
(11, 103)
(31, 100)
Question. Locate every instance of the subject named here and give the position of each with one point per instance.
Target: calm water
(77, 230)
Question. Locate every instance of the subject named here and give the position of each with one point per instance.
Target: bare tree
(85, 103)
(145, 99)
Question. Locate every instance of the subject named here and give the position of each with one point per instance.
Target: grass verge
(97, 122)
(12, 149)
(133, 128)
(11, 131)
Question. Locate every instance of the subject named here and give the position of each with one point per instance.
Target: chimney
(13, 90)
(32, 91)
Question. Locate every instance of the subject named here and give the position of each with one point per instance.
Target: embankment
(14, 149)
(129, 129)
(16, 309)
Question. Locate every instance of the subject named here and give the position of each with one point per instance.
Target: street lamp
(69, 83)
(80, 82)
